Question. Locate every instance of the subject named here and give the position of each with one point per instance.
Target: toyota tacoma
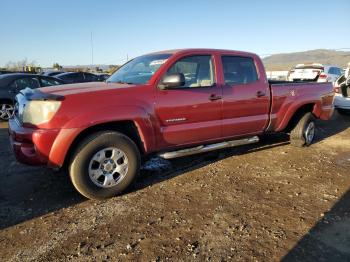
(170, 103)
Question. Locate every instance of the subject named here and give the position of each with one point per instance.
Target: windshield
(139, 70)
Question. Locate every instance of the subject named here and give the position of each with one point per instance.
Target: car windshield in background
(139, 70)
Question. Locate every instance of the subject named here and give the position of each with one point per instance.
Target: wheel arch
(297, 115)
(125, 127)
(7, 100)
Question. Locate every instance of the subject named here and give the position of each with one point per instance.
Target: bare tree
(19, 65)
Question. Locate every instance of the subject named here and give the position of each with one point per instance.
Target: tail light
(322, 76)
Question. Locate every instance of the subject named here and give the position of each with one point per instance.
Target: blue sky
(59, 31)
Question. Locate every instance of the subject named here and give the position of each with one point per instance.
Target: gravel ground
(262, 202)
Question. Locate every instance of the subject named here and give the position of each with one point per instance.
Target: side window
(90, 77)
(239, 70)
(338, 71)
(30, 82)
(48, 82)
(197, 70)
(73, 77)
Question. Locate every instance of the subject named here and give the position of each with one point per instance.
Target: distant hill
(324, 56)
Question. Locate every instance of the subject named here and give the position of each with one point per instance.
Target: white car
(315, 72)
(342, 95)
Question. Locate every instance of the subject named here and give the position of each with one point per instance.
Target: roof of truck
(186, 50)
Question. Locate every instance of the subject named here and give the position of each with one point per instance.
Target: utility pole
(92, 53)
(127, 57)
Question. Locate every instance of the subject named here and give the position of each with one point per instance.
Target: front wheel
(304, 132)
(104, 165)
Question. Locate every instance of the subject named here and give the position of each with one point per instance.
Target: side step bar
(207, 148)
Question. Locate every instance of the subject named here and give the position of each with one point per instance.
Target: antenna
(92, 53)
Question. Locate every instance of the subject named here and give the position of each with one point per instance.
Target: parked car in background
(53, 73)
(103, 77)
(342, 95)
(171, 103)
(5, 72)
(78, 77)
(314, 73)
(11, 84)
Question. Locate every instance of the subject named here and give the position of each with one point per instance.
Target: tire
(6, 111)
(304, 132)
(104, 165)
(342, 111)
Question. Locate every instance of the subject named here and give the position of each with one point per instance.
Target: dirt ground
(262, 202)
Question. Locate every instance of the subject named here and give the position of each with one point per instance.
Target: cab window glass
(239, 70)
(197, 70)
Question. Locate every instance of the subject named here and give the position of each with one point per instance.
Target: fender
(104, 115)
(294, 108)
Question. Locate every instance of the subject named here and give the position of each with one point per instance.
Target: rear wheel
(6, 111)
(104, 165)
(304, 132)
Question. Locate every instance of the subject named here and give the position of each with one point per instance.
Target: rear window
(239, 70)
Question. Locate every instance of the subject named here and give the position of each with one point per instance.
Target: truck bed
(287, 97)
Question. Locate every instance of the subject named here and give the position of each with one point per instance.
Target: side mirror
(173, 81)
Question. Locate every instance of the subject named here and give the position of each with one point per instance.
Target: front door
(191, 113)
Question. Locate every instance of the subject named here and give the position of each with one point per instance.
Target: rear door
(191, 113)
(246, 97)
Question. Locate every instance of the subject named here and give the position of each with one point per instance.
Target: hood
(71, 89)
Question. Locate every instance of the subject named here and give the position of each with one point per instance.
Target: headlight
(38, 112)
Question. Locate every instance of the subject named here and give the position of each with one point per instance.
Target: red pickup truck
(171, 103)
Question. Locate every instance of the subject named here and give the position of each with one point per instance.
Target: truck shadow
(335, 125)
(329, 239)
(160, 170)
(28, 192)
(157, 170)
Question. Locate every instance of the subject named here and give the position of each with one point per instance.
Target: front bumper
(31, 146)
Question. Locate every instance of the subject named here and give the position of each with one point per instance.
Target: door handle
(214, 97)
(260, 94)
